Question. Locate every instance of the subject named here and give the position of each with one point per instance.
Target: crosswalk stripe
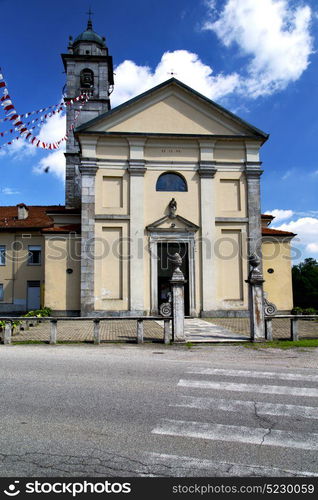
(240, 434)
(220, 468)
(251, 406)
(266, 389)
(255, 374)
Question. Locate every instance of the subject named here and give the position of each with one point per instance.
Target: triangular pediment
(171, 108)
(173, 224)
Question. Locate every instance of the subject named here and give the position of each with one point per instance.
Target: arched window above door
(171, 181)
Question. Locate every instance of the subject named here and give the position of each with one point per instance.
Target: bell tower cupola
(89, 70)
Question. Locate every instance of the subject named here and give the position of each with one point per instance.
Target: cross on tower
(89, 22)
(89, 13)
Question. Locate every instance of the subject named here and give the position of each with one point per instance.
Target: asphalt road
(155, 410)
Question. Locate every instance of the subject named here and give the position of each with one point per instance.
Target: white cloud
(18, 149)
(131, 79)
(280, 214)
(9, 191)
(53, 129)
(306, 229)
(54, 162)
(273, 34)
(313, 247)
(288, 174)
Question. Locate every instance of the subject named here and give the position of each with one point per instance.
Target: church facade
(168, 171)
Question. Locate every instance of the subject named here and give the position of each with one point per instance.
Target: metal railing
(294, 335)
(6, 334)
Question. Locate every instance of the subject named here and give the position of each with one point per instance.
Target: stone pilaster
(206, 171)
(137, 171)
(88, 171)
(177, 286)
(253, 174)
(256, 300)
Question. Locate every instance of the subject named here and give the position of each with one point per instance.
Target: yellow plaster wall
(62, 290)
(106, 201)
(278, 285)
(171, 151)
(230, 189)
(112, 150)
(16, 273)
(173, 115)
(231, 266)
(111, 266)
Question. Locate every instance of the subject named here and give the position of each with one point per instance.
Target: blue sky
(257, 58)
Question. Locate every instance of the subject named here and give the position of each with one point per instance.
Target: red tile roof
(70, 228)
(275, 232)
(37, 217)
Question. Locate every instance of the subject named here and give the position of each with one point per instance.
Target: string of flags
(24, 130)
(37, 121)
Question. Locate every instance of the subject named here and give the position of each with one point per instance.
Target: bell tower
(89, 69)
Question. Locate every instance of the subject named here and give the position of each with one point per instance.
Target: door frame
(171, 237)
(38, 285)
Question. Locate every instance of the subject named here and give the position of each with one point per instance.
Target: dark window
(87, 78)
(171, 182)
(1, 291)
(34, 255)
(2, 255)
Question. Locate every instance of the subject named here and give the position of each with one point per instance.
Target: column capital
(207, 169)
(88, 166)
(137, 167)
(252, 169)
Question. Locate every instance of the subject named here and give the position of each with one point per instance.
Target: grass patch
(30, 342)
(282, 344)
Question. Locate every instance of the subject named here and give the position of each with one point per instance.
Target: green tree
(305, 284)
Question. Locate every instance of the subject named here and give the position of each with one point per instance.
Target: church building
(168, 171)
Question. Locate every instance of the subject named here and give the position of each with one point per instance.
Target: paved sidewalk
(198, 330)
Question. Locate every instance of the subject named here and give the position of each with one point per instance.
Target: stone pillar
(256, 300)
(177, 285)
(137, 225)
(253, 173)
(96, 333)
(53, 331)
(88, 171)
(7, 333)
(206, 171)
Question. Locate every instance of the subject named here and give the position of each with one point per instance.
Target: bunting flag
(26, 133)
(68, 102)
(38, 121)
(64, 104)
(22, 128)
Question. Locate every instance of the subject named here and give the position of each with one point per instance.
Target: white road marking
(239, 434)
(222, 468)
(261, 408)
(258, 388)
(256, 374)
